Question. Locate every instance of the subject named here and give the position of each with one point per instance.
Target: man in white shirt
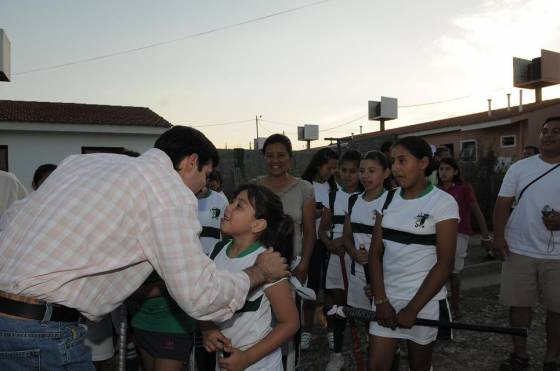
(91, 235)
(528, 241)
(11, 190)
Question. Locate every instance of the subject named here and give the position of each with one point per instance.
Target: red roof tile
(77, 113)
(475, 118)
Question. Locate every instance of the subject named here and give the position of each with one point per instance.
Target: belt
(29, 308)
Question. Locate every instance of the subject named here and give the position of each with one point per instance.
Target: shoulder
(304, 185)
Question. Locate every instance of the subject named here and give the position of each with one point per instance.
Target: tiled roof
(475, 118)
(77, 113)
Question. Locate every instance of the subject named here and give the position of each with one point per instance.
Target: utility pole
(360, 129)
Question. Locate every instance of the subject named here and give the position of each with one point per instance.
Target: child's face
(348, 172)
(239, 216)
(372, 174)
(446, 172)
(407, 169)
(327, 170)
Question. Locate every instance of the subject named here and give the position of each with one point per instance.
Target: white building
(35, 133)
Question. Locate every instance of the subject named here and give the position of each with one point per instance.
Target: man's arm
(501, 214)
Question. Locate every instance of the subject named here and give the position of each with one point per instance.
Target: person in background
(529, 151)
(41, 173)
(11, 190)
(449, 179)
(528, 240)
(330, 232)
(320, 173)
(215, 182)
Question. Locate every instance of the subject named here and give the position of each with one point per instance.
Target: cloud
(480, 47)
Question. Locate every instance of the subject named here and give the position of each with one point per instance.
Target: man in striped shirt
(93, 233)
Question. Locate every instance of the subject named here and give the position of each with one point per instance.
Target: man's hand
(271, 266)
(552, 221)
(406, 317)
(501, 248)
(213, 340)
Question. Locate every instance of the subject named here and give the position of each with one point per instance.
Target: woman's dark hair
(182, 141)
(41, 173)
(279, 233)
(278, 138)
(320, 158)
(419, 148)
(451, 162)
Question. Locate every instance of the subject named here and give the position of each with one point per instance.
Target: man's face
(194, 178)
(550, 138)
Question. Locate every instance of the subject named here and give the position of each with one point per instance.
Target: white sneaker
(336, 362)
(305, 341)
(330, 339)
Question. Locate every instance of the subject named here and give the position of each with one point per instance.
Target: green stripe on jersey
(407, 238)
(251, 305)
(362, 228)
(338, 219)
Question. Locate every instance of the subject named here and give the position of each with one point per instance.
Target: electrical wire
(157, 44)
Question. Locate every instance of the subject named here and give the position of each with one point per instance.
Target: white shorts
(334, 278)
(419, 334)
(461, 252)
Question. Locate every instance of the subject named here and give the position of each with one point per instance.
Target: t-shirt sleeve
(509, 184)
(307, 191)
(447, 209)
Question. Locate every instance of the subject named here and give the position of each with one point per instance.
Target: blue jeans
(42, 345)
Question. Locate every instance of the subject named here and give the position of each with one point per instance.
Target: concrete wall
(27, 149)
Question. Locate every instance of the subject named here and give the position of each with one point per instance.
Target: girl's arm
(348, 238)
(475, 209)
(385, 313)
(335, 246)
(308, 217)
(282, 303)
(212, 338)
(446, 231)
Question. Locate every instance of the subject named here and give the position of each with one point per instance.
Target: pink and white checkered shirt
(89, 237)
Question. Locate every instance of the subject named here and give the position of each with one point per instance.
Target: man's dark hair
(182, 141)
(278, 138)
(535, 149)
(41, 173)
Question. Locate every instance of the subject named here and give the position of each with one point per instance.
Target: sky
(217, 64)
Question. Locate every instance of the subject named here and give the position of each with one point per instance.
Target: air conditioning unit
(308, 132)
(4, 56)
(386, 109)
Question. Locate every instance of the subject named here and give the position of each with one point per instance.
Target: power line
(222, 124)
(345, 123)
(198, 34)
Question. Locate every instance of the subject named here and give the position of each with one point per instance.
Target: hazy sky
(317, 65)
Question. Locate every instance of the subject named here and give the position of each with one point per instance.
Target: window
(507, 141)
(4, 158)
(468, 150)
(86, 150)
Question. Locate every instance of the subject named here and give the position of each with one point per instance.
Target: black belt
(37, 312)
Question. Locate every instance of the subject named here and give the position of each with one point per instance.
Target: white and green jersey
(210, 212)
(253, 322)
(340, 208)
(409, 236)
(321, 191)
(362, 220)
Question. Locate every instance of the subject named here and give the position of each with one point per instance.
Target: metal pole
(257, 125)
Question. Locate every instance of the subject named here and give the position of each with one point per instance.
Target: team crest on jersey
(215, 213)
(421, 219)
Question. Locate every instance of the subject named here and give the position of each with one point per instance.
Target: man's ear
(258, 226)
(189, 162)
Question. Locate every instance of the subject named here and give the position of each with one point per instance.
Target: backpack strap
(388, 200)
(352, 201)
(219, 246)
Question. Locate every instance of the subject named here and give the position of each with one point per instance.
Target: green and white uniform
(210, 212)
(253, 322)
(409, 237)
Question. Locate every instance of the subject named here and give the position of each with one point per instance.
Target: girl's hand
(337, 247)
(237, 360)
(362, 256)
(368, 291)
(406, 317)
(300, 272)
(386, 315)
(213, 340)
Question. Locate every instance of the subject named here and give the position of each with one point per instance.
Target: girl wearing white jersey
(357, 233)
(412, 256)
(211, 206)
(330, 232)
(248, 341)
